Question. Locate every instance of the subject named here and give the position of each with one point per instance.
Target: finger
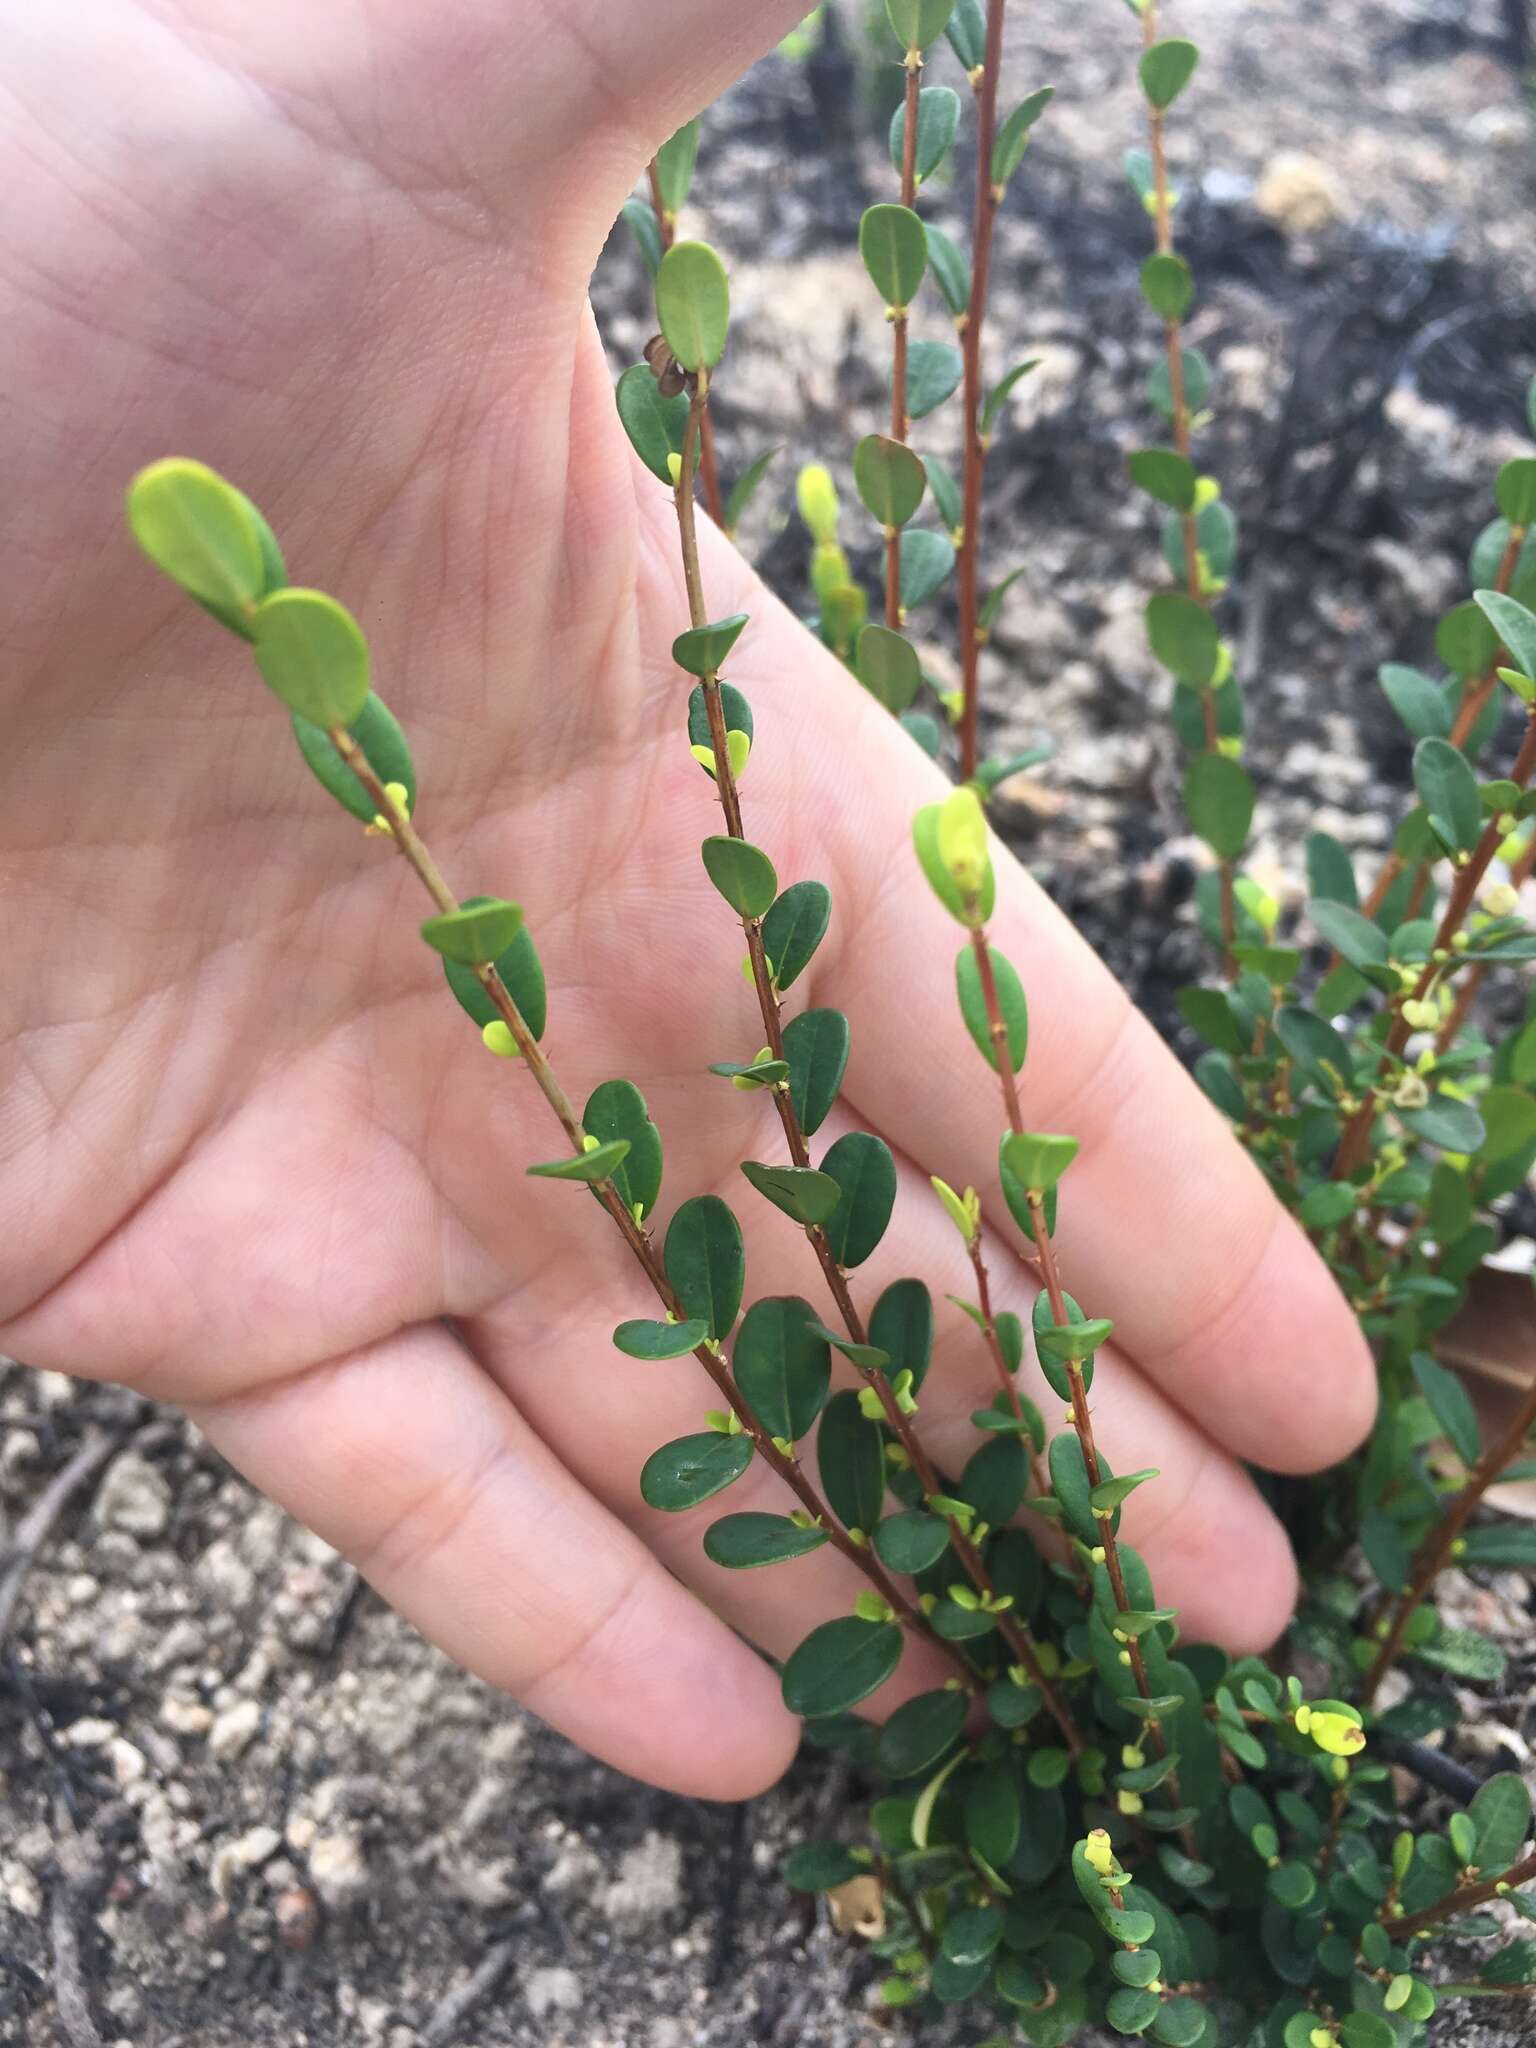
(1166, 1226)
(410, 1460)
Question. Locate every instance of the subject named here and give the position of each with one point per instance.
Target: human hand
(251, 1159)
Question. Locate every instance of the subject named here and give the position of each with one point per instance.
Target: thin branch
(1461, 1901)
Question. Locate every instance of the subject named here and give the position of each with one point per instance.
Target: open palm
(252, 1158)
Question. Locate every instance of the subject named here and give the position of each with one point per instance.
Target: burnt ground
(240, 1802)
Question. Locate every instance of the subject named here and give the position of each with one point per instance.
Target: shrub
(1089, 1820)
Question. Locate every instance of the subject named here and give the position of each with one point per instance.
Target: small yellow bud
(1130, 1803)
(1411, 1092)
(1098, 1852)
(1335, 1733)
(1132, 1757)
(1098, 1553)
(1500, 899)
(399, 796)
(1320, 2038)
(964, 1211)
(498, 1039)
(963, 842)
(675, 467)
(816, 495)
(588, 1142)
(1421, 1016)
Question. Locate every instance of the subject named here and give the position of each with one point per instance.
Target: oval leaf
(693, 304)
(312, 654)
(839, 1664)
(692, 1469)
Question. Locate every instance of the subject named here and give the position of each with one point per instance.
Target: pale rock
(185, 1717)
(226, 1574)
(338, 1869)
(234, 1730)
(234, 1858)
(90, 1733)
(135, 1497)
(1299, 193)
(129, 1764)
(551, 1989)
(21, 1890)
(648, 1886)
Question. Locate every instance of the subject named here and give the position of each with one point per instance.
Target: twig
(1461, 1901)
(79, 1873)
(456, 2005)
(35, 1527)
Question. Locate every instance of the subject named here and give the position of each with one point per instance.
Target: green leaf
(794, 927)
(967, 32)
(821, 1866)
(911, 1542)
(1037, 1159)
(1167, 68)
(1451, 1406)
(705, 1262)
(648, 1340)
(950, 270)
(782, 1364)
(996, 1479)
(1072, 1341)
(839, 1664)
(1514, 625)
(312, 654)
(1453, 1125)
(1164, 475)
(693, 304)
(992, 1816)
(1367, 2030)
(1012, 137)
(1465, 1654)
(1330, 871)
(674, 167)
(894, 246)
(1501, 1814)
(816, 1047)
(889, 478)
(1207, 1011)
(997, 397)
(1219, 796)
(1112, 1493)
(1197, 383)
(917, 23)
(1465, 640)
(473, 936)
(617, 1109)
(1132, 2012)
(383, 746)
(919, 1733)
(1355, 938)
(1515, 491)
(850, 1462)
(703, 649)
(867, 1357)
(927, 559)
(925, 839)
(934, 369)
(1183, 636)
(692, 1469)
(991, 605)
(1511, 1544)
(202, 533)
(938, 116)
(1314, 1044)
(519, 970)
(744, 490)
(864, 1170)
(639, 216)
(1069, 1483)
(809, 1197)
(888, 667)
(599, 1163)
(742, 873)
(655, 425)
(1515, 1963)
(1417, 699)
(737, 712)
(1012, 1007)
(1168, 285)
(901, 1324)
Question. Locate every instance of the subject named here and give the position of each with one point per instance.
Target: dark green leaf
(744, 490)
(926, 561)
(705, 1262)
(997, 397)
(1012, 137)
(1197, 383)
(782, 1365)
(850, 1461)
(674, 167)
(1219, 796)
(1167, 68)
(967, 32)
(920, 1732)
(821, 1866)
(816, 1047)
(973, 1934)
(520, 972)
(742, 873)
(1514, 625)
(794, 927)
(1501, 1814)
(1451, 1405)
(692, 1469)
(950, 269)
(655, 425)
(1353, 937)
(888, 667)
(1465, 640)
(934, 370)
(1164, 475)
(1069, 1483)
(992, 1814)
(639, 216)
(383, 747)
(1515, 491)
(743, 1542)
(901, 1324)
(1207, 1011)
(839, 1664)
(996, 1479)
(1367, 2030)
(863, 1168)
(917, 23)
(693, 304)
(1417, 699)
(1132, 2012)
(659, 1340)
(894, 247)
(599, 1162)
(1330, 871)
(889, 478)
(1314, 1044)
(1037, 1159)
(938, 116)
(1013, 1011)
(1446, 1121)
(1167, 285)
(617, 1109)
(911, 1542)
(1183, 636)
(800, 1191)
(703, 649)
